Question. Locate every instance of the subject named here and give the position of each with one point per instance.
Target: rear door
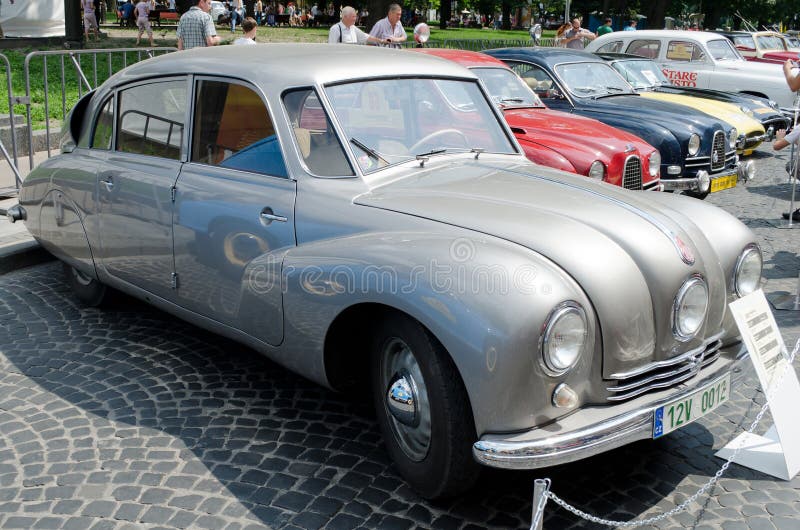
(135, 184)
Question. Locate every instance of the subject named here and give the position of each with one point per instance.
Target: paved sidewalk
(127, 418)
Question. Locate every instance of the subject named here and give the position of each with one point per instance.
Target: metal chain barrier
(542, 486)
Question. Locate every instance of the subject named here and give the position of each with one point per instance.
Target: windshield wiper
(370, 151)
(437, 151)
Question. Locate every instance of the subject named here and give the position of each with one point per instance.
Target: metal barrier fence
(85, 70)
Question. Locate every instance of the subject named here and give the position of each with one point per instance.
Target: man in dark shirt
(127, 13)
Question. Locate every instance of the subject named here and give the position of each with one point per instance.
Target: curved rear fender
(62, 232)
(483, 298)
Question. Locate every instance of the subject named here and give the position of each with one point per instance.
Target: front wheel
(88, 290)
(422, 408)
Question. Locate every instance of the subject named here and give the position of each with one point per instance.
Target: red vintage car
(559, 139)
(761, 46)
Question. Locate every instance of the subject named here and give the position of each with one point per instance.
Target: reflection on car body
(496, 311)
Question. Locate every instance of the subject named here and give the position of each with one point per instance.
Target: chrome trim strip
(672, 360)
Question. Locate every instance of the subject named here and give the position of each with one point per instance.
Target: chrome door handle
(268, 216)
(109, 182)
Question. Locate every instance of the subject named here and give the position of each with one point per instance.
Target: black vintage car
(698, 152)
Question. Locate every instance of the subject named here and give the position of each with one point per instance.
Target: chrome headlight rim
(597, 170)
(733, 137)
(681, 334)
(750, 250)
(693, 146)
(563, 309)
(654, 161)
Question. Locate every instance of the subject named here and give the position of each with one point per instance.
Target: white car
(700, 59)
(219, 13)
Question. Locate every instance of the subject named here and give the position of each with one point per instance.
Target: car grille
(718, 151)
(663, 374)
(632, 177)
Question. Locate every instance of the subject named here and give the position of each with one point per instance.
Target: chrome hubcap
(406, 399)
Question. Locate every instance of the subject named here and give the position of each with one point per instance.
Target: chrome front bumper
(581, 435)
(702, 181)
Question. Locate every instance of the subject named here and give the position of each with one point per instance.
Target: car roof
(549, 56)
(463, 57)
(281, 65)
(702, 36)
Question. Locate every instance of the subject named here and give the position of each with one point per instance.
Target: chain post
(541, 490)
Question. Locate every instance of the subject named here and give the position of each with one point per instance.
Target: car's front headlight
(747, 273)
(694, 144)
(655, 162)
(733, 136)
(597, 170)
(564, 338)
(689, 308)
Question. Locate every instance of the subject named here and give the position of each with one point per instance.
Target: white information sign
(777, 453)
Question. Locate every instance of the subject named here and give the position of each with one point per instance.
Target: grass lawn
(116, 37)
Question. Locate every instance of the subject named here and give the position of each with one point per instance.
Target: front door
(234, 212)
(135, 185)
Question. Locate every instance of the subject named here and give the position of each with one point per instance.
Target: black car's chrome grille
(718, 151)
(632, 176)
(663, 374)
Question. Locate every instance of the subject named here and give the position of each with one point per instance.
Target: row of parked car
(382, 229)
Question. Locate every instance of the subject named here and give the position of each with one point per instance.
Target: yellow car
(647, 78)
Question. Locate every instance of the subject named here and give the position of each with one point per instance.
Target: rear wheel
(422, 409)
(88, 290)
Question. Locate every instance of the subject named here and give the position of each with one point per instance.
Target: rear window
(611, 47)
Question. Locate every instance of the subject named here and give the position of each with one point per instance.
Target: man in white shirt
(783, 140)
(346, 32)
(389, 30)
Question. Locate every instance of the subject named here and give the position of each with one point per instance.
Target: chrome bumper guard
(573, 439)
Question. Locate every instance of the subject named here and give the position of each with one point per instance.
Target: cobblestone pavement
(128, 418)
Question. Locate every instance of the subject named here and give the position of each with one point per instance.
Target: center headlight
(733, 137)
(655, 162)
(597, 170)
(747, 274)
(564, 338)
(694, 144)
(689, 308)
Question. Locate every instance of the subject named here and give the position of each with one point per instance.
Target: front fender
(483, 298)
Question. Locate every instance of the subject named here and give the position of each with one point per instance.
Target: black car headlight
(564, 338)
(747, 273)
(689, 308)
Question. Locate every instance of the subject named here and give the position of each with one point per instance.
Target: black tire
(88, 290)
(444, 466)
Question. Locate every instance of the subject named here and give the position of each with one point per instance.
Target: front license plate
(723, 183)
(690, 408)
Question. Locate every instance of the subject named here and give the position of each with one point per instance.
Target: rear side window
(644, 47)
(684, 51)
(610, 47)
(233, 129)
(104, 126)
(151, 119)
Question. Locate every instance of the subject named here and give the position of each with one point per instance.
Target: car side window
(539, 80)
(684, 51)
(645, 48)
(318, 143)
(104, 126)
(233, 129)
(151, 119)
(610, 47)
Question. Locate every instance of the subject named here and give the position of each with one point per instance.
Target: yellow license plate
(723, 183)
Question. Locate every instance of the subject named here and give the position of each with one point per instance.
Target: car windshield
(591, 80)
(506, 88)
(723, 50)
(770, 42)
(390, 121)
(641, 74)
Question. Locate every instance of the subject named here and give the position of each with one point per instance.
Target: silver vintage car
(365, 218)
